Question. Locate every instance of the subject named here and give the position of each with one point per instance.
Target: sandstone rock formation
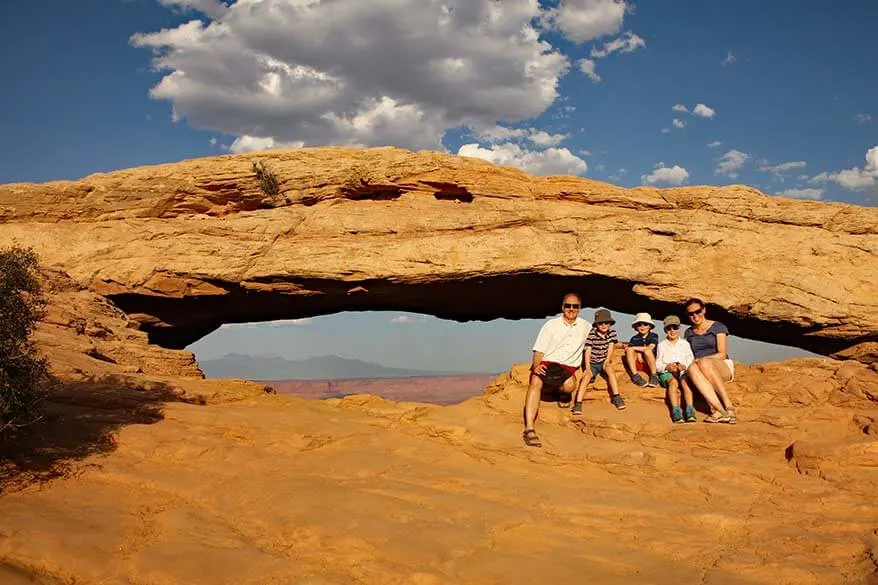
(183, 248)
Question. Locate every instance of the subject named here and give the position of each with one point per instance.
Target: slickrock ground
(274, 489)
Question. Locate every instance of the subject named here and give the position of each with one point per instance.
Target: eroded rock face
(183, 248)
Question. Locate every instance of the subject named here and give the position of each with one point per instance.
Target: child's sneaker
(690, 415)
(618, 402)
(639, 380)
(577, 409)
(676, 415)
(653, 381)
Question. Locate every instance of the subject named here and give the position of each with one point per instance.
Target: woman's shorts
(731, 366)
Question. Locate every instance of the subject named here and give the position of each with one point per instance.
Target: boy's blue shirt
(639, 341)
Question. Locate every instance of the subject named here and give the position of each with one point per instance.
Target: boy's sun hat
(603, 316)
(643, 318)
(671, 320)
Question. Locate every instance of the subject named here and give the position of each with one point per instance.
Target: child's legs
(687, 390)
(649, 358)
(673, 392)
(587, 374)
(610, 375)
(631, 359)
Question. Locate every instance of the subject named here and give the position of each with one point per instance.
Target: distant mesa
(328, 367)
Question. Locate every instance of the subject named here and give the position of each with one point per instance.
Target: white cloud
(785, 167)
(624, 43)
(501, 133)
(666, 130)
(678, 123)
(703, 111)
(674, 175)
(854, 179)
(585, 152)
(401, 319)
(862, 118)
(731, 162)
(584, 20)
(587, 66)
(551, 161)
(680, 108)
(281, 323)
(543, 138)
(728, 59)
(808, 193)
(212, 141)
(714, 144)
(310, 72)
(253, 143)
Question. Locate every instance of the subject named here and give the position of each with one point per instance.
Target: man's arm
(535, 365)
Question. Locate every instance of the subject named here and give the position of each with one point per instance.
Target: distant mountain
(327, 367)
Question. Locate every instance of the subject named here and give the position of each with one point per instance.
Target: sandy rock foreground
(271, 489)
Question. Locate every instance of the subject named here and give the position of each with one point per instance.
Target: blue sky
(780, 95)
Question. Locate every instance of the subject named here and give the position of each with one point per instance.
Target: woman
(712, 367)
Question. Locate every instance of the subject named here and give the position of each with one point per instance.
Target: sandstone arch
(183, 248)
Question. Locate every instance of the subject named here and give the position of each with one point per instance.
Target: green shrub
(24, 375)
(267, 179)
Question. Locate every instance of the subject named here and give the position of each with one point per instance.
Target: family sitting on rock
(568, 345)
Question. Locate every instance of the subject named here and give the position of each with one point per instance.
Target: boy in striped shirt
(599, 347)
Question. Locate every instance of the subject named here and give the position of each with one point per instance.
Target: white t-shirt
(563, 342)
(668, 353)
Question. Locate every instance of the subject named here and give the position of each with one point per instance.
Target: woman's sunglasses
(695, 312)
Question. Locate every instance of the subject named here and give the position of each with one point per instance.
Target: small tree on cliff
(24, 376)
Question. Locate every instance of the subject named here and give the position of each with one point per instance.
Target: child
(674, 356)
(598, 353)
(640, 354)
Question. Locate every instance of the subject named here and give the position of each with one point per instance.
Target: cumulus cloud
(317, 72)
(400, 319)
(666, 130)
(680, 108)
(551, 161)
(624, 43)
(674, 175)
(281, 323)
(728, 59)
(678, 123)
(543, 138)
(731, 162)
(584, 20)
(856, 178)
(587, 66)
(253, 143)
(807, 193)
(862, 118)
(782, 168)
(714, 144)
(703, 111)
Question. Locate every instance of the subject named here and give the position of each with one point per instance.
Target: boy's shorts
(596, 368)
(665, 378)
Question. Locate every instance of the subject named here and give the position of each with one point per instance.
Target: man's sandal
(531, 439)
(732, 418)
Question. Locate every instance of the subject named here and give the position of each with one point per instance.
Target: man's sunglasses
(672, 327)
(695, 312)
(571, 306)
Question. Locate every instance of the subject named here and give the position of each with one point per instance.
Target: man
(557, 355)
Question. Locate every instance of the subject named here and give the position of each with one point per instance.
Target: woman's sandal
(531, 439)
(732, 418)
(717, 417)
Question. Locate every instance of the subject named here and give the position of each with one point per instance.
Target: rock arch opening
(176, 322)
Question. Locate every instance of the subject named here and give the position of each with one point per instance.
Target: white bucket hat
(643, 318)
